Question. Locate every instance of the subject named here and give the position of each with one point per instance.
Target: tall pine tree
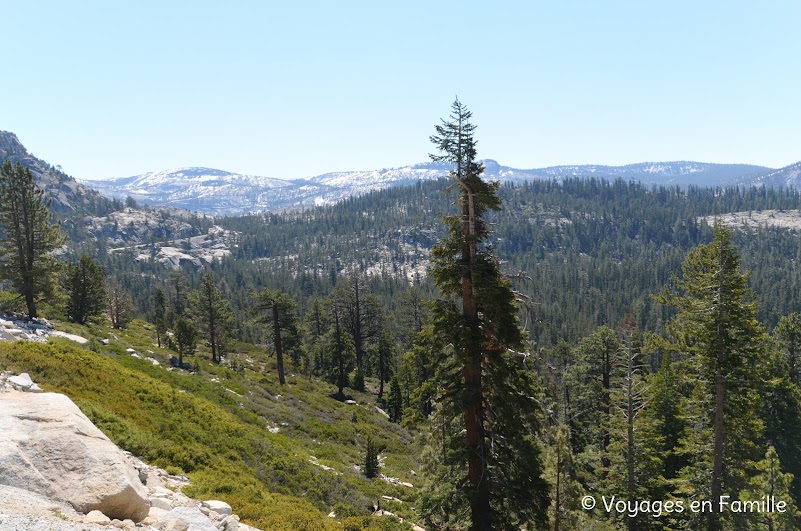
(788, 338)
(492, 464)
(716, 328)
(282, 320)
(362, 319)
(28, 236)
(338, 344)
(118, 304)
(185, 339)
(159, 313)
(212, 314)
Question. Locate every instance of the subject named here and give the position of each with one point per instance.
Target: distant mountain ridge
(220, 192)
(787, 177)
(681, 173)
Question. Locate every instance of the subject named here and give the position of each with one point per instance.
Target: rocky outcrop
(14, 326)
(49, 447)
(178, 242)
(64, 192)
(133, 226)
(185, 519)
(58, 472)
(23, 382)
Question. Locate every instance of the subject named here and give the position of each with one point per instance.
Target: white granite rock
(96, 517)
(48, 446)
(22, 382)
(185, 519)
(219, 507)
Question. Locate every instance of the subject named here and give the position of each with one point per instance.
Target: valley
(588, 251)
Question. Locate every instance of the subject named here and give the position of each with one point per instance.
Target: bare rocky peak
(10, 145)
(66, 194)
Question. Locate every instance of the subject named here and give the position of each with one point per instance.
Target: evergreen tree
(185, 339)
(119, 305)
(358, 380)
(384, 357)
(716, 327)
(316, 326)
(159, 313)
(361, 318)
(634, 452)
(395, 400)
(492, 463)
(282, 320)
(371, 464)
(771, 483)
(419, 384)
(411, 315)
(780, 400)
(86, 287)
(28, 236)
(212, 314)
(666, 408)
(565, 510)
(788, 336)
(338, 343)
(177, 293)
(590, 378)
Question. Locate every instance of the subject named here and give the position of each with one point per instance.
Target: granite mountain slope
(66, 194)
(786, 177)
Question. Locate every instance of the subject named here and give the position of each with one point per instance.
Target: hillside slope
(283, 457)
(66, 194)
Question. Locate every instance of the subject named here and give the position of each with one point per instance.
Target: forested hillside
(592, 250)
(588, 258)
(611, 276)
(312, 301)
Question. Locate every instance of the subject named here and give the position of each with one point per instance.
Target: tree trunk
(212, 328)
(28, 282)
(340, 355)
(717, 463)
(607, 406)
(381, 375)
(718, 423)
(557, 503)
(476, 460)
(279, 351)
(358, 338)
(30, 303)
(474, 411)
(630, 483)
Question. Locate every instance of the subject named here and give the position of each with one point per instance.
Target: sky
(296, 89)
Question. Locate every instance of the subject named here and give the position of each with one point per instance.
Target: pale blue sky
(294, 89)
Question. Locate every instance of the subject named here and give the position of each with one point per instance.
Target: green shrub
(191, 424)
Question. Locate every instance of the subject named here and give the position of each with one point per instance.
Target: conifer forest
(571, 354)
